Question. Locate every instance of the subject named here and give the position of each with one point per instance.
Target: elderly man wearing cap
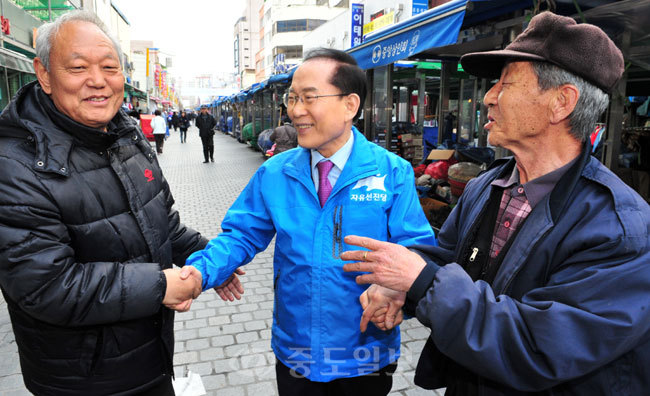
(540, 283)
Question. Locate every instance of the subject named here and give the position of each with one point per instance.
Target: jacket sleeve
(247, 230)
(592, 309)
(38, 270)
(407, 224)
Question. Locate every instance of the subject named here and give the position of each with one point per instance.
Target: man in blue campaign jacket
(540, 283)
(316, 313)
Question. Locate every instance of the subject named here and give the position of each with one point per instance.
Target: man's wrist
(421, 284)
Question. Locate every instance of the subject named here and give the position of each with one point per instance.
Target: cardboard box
(407, 137)
(429, 204)
(443, 155)
(416, 142)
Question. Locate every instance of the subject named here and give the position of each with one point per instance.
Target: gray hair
(47, 32)
(591, 103)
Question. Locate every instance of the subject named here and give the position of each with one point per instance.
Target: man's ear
(352, 103)
(42, 75)
(563, 103)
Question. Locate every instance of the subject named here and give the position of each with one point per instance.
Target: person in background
(87, 228)
(159, 130)
(540, 283)
(206, 123)
(175, 120)
(183, 125)
(285, 138)
(335, 184)
(135, 115)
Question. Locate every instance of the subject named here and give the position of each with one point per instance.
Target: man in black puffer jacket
(206, 123)
(88, 234)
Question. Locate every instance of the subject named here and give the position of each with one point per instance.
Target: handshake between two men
(391, 268)
(185, 284)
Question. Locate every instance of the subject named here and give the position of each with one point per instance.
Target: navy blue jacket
(567, 312)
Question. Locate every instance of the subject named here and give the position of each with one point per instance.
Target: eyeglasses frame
(285, 98)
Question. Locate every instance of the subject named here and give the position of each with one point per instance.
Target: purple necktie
(324, 186)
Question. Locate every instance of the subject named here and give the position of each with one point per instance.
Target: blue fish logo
(371, 183)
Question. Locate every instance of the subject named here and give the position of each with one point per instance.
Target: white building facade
(286, 23)
(246, 42)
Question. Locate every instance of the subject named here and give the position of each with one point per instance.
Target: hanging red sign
(6, 25)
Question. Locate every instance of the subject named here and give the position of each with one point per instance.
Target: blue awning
(242, 96)
(436, 27)
(279, 78)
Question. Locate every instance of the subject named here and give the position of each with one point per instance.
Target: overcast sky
(199, 33)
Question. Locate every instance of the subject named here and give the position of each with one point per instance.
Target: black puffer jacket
(86, 226)
(285, 138)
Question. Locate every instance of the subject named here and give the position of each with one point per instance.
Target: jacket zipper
(474, 253)
(275, 296)
(466, 244)
(337, 232)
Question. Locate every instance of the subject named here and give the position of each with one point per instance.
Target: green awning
(133, 91)
(15, 61)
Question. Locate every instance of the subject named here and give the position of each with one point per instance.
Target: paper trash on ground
(189, 386)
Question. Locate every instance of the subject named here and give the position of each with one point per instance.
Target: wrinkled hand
(390, 265)
(182, 289)
(231, 288)
(382, 307)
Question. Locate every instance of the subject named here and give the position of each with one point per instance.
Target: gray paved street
(227, 344)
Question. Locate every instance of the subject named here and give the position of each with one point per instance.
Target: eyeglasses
(290, 100)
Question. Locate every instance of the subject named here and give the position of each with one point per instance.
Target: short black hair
(347, 77)
(157, 112)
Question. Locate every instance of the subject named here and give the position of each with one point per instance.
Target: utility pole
(147, 78)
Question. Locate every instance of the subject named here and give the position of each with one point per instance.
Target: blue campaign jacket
(568, 311)
(316, 310)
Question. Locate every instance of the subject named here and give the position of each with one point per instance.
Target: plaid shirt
(513, 211)
(518, 200)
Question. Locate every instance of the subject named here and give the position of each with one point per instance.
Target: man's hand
(180, 290)
(382, 307)
(231, 288)
(390, 265)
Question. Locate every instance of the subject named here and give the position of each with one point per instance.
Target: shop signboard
(419, 6)
(6, 25)
(379, 23)
(278, 63)
(434, 28)
(357, 24)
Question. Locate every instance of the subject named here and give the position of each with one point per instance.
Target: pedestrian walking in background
(308, 199)
(87, 228)
(540, 283)
(183, 125)
(175, 121)
(285, 138)
(167, 115)
(159, 131)
(206, 123)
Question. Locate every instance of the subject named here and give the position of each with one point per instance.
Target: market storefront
(16, 70)
(421, 99)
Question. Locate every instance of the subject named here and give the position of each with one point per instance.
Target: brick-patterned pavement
(227, 344)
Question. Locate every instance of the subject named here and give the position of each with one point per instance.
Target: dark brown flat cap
(582, 49)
